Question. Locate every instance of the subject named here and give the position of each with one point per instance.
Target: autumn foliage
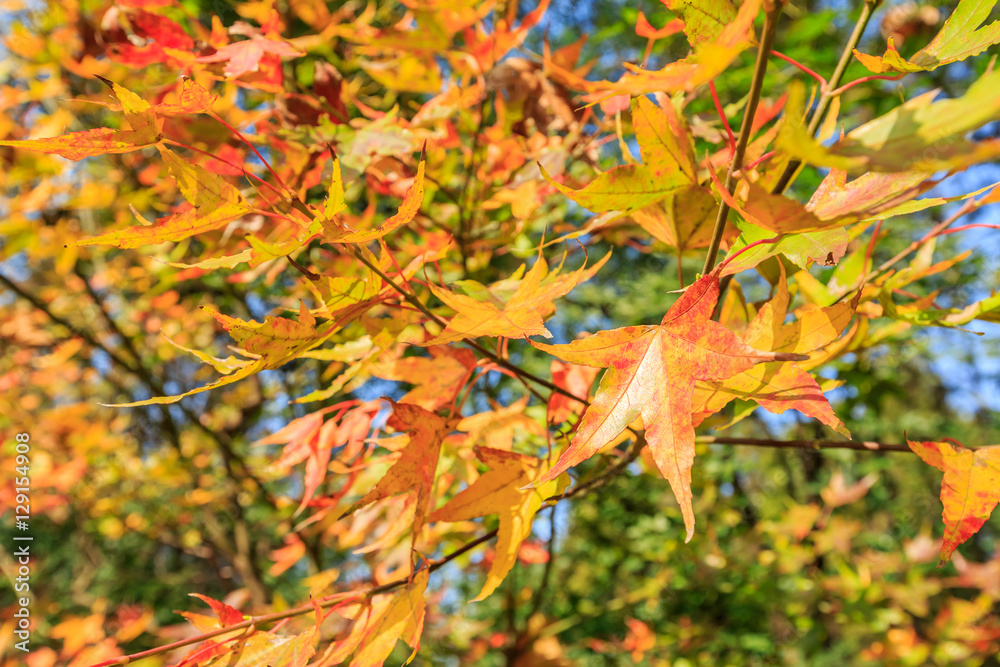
(292, 292)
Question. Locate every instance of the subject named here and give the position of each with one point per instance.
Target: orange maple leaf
(651, 374)
(378, 626)
(336, 230)
(414, 470)
(495, 311)
(498, 491)
(436, 379)
(574, 379)
(214, 204)
(969, 491)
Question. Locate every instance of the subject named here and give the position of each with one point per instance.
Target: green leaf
(960, 38)
(919, 135)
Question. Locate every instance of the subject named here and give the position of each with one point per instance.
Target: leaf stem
(865, 79)
(291, 193)
(722, 117)
(819, 79)
(938, 229)
(739, 252)
(760, 68)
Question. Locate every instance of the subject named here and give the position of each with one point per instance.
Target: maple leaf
(651, 374)
(494, 311)
(191, 98)
(668, 164)
(922, 312)
(436, 379)
(703, 20)
(777, 213)
(413, 472)
(961, 37)
(214, 203)
(870, 194)
(78, 145)
(838, 493)
(150, 39)
(781, 386)
(227, 615)
(244, 56)
(684, 219)
(825, 247)
(710, 59)
(644, 29)
(312, 439)
(970, 489)
(378, 627)
(574, 379)
(920, 135)
(711, 56)
(265, 648)
(496, 428)
(498, 491)
(259, 252)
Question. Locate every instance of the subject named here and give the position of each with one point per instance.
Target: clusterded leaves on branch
(214, 203)
(336, 230)
(269, 344)
(372, 87)
(380, 624)
(414, 470)
(922, 134)
(668, 164)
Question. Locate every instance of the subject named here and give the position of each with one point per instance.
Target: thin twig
(804, 444)
(770, 25)
(539, 594)
(865, 79)
(291, 193)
